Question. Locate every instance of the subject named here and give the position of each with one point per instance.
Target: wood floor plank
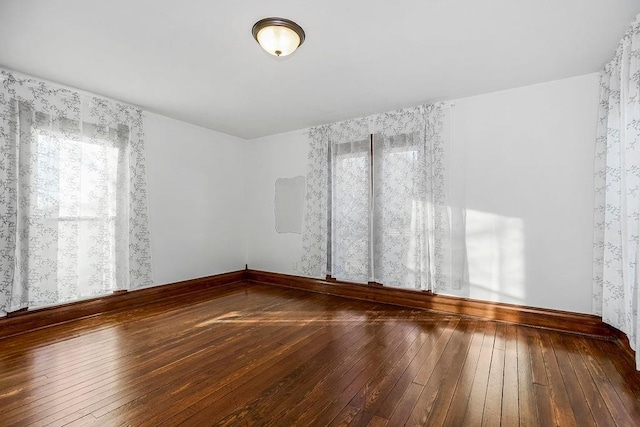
(62, 332)
(454, 389)
(255, 354)
(625, 383)
(541, 389)
(377, 422)
(326, 406)
(590, 390)
(177, 374)
(389, 405)
(576, 396)
(346, 417)
(163, 358)
(510, 413)
(471, 387)
(374, 393)
(319, 370)
(560, 391)
(406, 404)
(340, 379)
(445, 376)
(166, 360)
(526, 400)
(234, 377)
(477, 391)
(607, 389)
(242, 392)
(625, 367)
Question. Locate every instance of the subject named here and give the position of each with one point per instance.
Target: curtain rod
(67, 87)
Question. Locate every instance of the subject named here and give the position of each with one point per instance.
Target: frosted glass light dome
(278, 36)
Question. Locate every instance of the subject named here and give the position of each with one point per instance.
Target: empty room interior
(331, 213)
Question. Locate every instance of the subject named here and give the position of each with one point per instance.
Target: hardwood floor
(252, 354)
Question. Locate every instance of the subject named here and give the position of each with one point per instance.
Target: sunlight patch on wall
(496, 256)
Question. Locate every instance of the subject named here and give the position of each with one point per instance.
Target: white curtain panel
(617, 186)
(350, 206)
(400, 233)
(410, 222)
(72, 195)
(313, 262)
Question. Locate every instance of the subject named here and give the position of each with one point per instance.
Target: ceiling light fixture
(278, 36)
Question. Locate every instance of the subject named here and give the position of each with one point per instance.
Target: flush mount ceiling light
(278, 36)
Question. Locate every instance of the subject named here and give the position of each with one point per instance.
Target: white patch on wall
(289, 204)
(497, 260)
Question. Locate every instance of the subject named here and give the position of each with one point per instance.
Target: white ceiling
(195, 60)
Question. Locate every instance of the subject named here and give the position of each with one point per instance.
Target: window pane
(400, 236)
(350, 211)
(76, 185)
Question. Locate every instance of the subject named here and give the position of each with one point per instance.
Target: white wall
(267, 159)
(196, 200)
(523, 169)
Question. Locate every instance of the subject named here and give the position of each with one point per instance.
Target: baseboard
(625, 346)
(522, 315)
(28, 320)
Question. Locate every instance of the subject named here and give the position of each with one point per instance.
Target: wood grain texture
(29, 320)
(522, 315)
(255, 354)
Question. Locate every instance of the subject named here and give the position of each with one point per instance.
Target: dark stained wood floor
(254, 354)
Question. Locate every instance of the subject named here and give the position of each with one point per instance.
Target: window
(377, 210)
(376, 206)
(76, 183)
(350, 171)
(74, 198)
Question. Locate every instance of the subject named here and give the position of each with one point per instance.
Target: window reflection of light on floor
(54, 361)
(302, 319)
(495, 248)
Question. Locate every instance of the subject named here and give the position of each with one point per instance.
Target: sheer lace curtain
(72, 196)
(350, 206)
(617, 184)
(313, 261)
(386, 208)
(411, 224)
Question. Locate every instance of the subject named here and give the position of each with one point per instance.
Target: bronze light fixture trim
(278, 36)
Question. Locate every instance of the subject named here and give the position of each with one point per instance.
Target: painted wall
(196, 200)
(522, 170)
(267, 159)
